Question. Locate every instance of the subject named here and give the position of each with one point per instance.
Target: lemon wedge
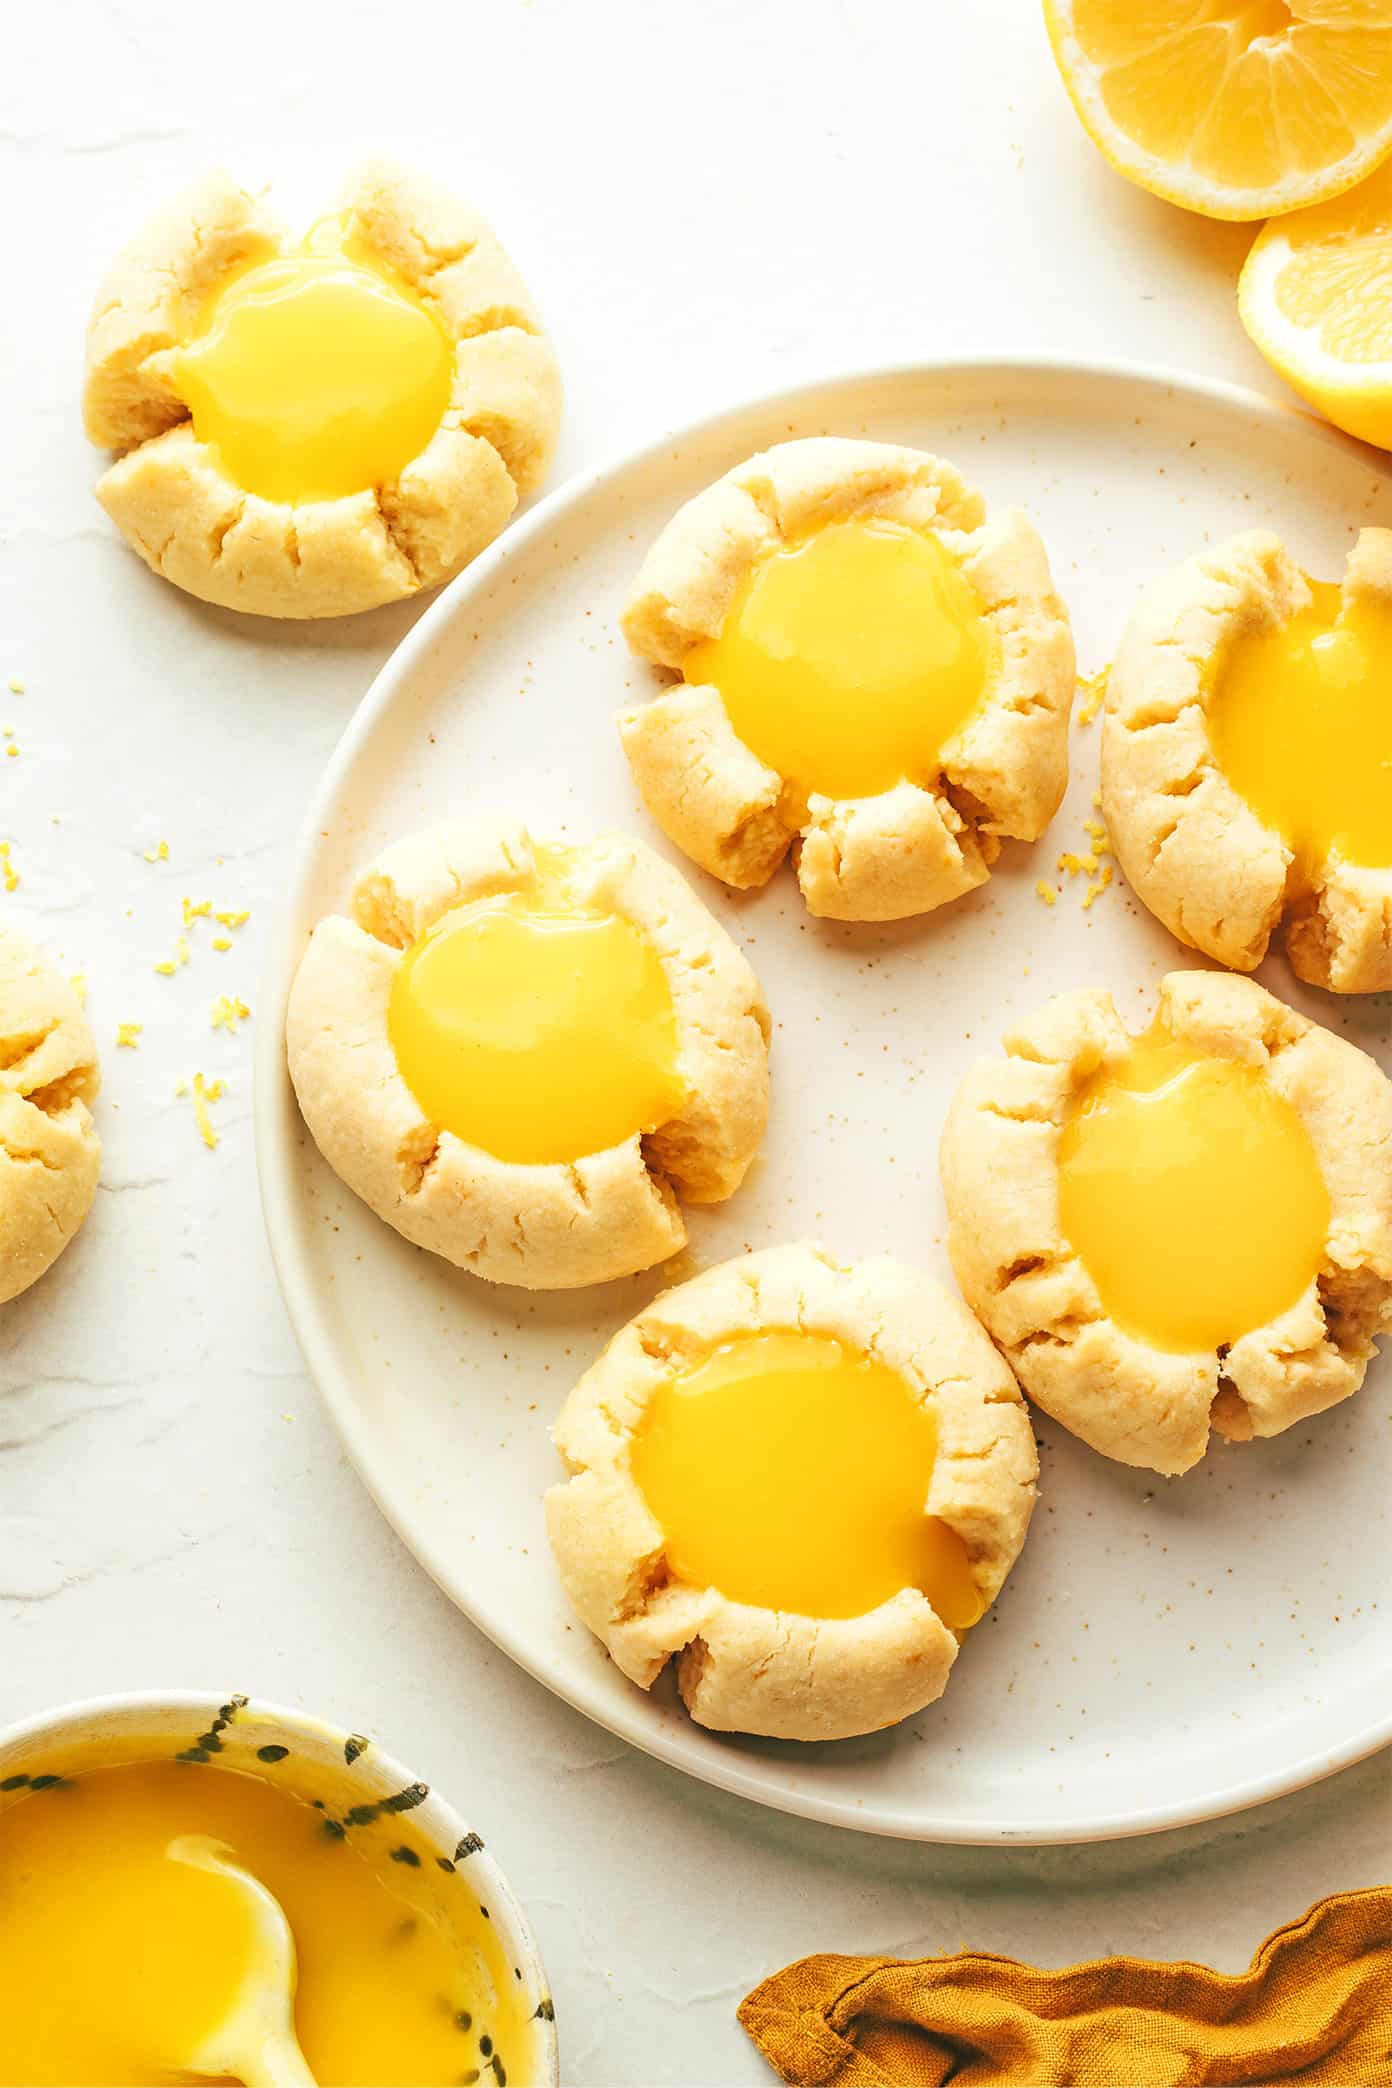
(1235, 110)
(1316, 297)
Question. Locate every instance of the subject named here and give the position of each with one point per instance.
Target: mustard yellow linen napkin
(1314, 2006)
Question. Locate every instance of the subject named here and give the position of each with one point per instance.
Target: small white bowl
(348, 1777)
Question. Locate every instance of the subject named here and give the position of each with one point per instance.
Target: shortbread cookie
(309, 429)
(802, 1481)
(521, 1054)
(1247, 758)
(1189, 1228)
(50, 1154)
(872, 673)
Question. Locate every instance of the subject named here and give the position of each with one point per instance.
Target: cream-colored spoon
(255, 2042)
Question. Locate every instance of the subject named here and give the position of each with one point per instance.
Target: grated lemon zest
(1097, 887)
(127, 1035)
(204, 1092)
(158, 854)
(1047, 892)
(1092, 694)
(228, 1012)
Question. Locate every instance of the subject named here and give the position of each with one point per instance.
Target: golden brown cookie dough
(742, 1668)
(50, 1154)
(1195, 851)
(1130, 1399)
(171, 496)
(906, 849)
(542, 1226)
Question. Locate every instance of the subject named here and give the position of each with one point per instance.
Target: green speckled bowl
(445, 1868)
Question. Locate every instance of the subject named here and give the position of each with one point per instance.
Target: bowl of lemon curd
(150, 1845)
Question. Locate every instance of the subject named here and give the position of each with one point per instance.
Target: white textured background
(710, 199)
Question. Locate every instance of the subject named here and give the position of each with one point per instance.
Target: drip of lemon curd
(849, 657)
(1191, 1191)
(1300, 721)
(316, 374)
(791, 1472)
(536, 1027)
(117, 1960)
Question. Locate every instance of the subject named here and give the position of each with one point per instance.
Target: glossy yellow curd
(1300, 720)
(849, 657)
(1193, 1194)
(316, 374)
(536, 1027)
(116, 1960)
(791, 1472)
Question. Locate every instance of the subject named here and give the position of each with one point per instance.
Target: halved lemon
(1236, 110)
(1316, 297)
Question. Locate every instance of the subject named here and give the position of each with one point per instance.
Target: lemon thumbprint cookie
(1247, 758)
(869, 671)
(312, 427)
(1182, 1230)
(50, 1154)
(521, 1053)
(801, 1481)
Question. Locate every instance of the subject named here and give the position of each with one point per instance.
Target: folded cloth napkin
(1314, 2006)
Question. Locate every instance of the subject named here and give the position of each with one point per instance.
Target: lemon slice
(1316, 297)
(1236, 110)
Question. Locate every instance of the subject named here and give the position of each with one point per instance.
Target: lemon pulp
(1300, 720)
(1191, 1191)
(849, 657)
(117, 1961)
(791, 1472)
(535, 1027)
(315, 375)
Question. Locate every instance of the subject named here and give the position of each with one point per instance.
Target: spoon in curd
(255, 2042)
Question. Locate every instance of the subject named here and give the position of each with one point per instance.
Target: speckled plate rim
(124, 1710)
(277, 1121)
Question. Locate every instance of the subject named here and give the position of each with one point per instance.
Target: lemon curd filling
(849, 657)
(315, 375)
(1192, 1192)
(535, 1027)
(791, 1472)
(1300, 720)
(117, 1960)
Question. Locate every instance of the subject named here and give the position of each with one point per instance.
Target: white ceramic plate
(1164, 1651)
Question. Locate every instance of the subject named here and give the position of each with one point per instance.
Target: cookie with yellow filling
(1247, 758)
(521, 1054)
(1186, 1230)
(869, 672)
(801, 1481)
(50, 1154)
(312, 427)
